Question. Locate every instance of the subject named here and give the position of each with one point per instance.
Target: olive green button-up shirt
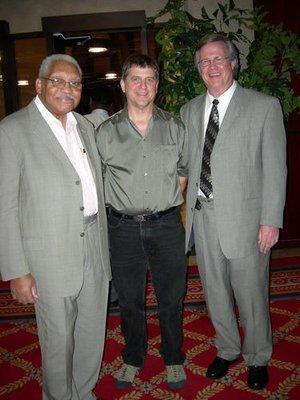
(141, 173)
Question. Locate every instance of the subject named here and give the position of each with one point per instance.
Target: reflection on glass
(2, 107)
(102, 69)
(29, 55)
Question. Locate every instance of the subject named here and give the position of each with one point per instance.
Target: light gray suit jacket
(40, 204)
(248, 166)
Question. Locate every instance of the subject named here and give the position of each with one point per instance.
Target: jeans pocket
(113, 221)
(172, 220)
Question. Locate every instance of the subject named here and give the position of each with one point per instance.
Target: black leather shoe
(257, 377)
(218, 368)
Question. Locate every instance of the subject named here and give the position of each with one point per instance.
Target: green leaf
(231, 5)
(215, 13)
(204, 13)
(273, 55)
(223, 11)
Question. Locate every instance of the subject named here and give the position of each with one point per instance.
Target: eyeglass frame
(207, 62)
(61, 83)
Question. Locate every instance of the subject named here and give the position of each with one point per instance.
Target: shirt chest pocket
(167, 158)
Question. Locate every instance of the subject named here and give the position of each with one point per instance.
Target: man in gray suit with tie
(53, 230)
(235, 201)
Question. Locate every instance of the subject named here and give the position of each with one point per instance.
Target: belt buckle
(140, 218)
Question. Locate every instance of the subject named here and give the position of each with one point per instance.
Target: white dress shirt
(70, 141)
(224, 101)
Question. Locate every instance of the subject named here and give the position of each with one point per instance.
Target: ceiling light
(23, 83)
(111, 75)
(97, 49)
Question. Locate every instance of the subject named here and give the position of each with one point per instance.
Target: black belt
(143, 217)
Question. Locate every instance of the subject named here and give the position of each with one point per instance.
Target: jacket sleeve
(274, 169)
(12, 257)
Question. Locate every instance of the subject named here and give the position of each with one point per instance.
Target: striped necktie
(210, 137)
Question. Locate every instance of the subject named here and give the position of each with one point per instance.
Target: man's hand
(267, 237)
(24, 289)
(183, 183)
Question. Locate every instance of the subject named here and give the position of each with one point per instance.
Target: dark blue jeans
(159, 245)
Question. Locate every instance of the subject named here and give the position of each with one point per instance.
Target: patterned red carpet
(20, 373)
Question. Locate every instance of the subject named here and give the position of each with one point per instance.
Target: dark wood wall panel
(290, 235)
(288, 13)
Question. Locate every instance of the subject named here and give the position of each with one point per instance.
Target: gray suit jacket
(40, 204)
(248, 165)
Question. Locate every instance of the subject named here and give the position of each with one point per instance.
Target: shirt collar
(224, 96)
(157, 113)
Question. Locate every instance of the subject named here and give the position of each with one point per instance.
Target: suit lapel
(234, 110)
(197, 131)
(197, 125)
(88, 146)
(45, 134)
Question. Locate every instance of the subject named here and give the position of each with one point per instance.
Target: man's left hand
(267, 237)
(183, 183)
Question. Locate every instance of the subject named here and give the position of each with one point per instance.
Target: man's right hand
(23, 289)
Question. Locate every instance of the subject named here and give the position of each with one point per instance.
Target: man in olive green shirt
(144, 154)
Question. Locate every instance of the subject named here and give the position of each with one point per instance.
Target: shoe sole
(122, 384)
(176, 385)
(257, 388)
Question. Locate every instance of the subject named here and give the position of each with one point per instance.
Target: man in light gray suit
(53, 232)
(235, 201)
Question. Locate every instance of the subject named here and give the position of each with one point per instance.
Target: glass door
(100, 43)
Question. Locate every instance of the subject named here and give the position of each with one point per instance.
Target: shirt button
(146, 174)
(81, 208)
(82, 234)
(77, 182)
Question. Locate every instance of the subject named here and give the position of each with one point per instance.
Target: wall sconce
(111, 75)
(97, 49)
(23, 82)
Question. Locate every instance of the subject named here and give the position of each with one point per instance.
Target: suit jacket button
(82, 234)
(81, 208)
(77, 182)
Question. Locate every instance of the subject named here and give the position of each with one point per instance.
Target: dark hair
(139, 60)
(218, 37)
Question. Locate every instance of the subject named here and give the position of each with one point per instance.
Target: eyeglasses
(215, 61)
(61, 83)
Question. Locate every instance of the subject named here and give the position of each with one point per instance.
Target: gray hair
(50, 60)
(231, 48)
